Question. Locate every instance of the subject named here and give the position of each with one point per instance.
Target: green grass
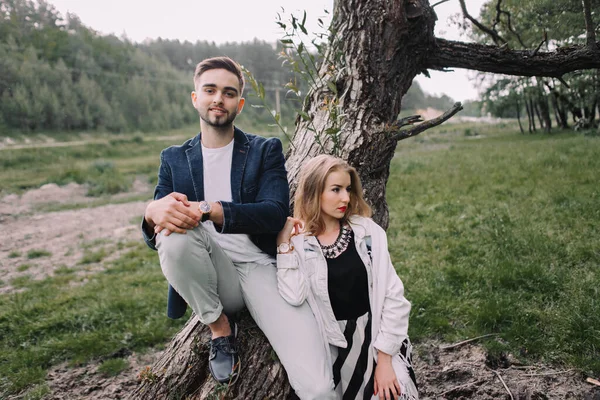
(37, 253)
(107, 168)
(113, 366)
(14, 254)
(60, 319)
(23, 267)
(91, 257)
(501, 235)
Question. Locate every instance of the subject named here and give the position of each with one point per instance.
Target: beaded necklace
(341, 243)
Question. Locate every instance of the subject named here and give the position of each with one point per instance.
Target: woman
(332, 255)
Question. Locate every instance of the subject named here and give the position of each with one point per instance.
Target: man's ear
(194, 97)
(241, 105)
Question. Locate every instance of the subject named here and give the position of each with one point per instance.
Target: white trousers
(202, 273)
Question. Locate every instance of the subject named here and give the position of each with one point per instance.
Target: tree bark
(376, 49)
(182, 370)
(450, 54)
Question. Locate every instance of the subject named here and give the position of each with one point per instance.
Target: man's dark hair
(220, 63)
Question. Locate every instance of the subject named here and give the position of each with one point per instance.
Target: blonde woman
(332, 255)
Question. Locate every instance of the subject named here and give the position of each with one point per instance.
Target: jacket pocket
(310, 262)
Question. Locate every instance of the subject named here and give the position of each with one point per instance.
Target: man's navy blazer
(259, 189)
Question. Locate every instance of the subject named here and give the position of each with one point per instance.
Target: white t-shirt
(217, 187)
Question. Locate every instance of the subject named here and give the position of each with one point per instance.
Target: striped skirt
(354, 366)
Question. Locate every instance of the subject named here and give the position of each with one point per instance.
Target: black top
(347, 283)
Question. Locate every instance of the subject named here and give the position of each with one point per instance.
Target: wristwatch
(205, 209)
(284, 247)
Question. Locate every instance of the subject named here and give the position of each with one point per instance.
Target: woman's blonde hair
(307, 201)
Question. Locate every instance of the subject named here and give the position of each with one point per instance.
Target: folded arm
(267, 214)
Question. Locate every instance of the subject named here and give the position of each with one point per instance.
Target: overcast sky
(243, 20)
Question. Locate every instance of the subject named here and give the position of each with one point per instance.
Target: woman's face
(336, 194)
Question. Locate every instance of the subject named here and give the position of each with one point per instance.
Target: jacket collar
(358, 224)
(241, 146)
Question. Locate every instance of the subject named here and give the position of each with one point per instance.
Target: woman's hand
(386, 383)
(292, 227)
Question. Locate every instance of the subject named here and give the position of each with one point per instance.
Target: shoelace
(225, 344)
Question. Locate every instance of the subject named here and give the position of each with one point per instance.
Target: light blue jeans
(202, 273)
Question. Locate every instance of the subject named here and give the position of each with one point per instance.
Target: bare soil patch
(468, 372)
(461, 373)
(86, 382)
(39, 243)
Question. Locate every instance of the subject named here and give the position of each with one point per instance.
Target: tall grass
(501, 235)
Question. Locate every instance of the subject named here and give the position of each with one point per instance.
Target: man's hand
(386, 383)
(173, 213)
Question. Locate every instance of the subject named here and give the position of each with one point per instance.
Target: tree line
(542, 102)
(60, 75)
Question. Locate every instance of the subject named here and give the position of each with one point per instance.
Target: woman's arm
(291, 282)
(395, 309)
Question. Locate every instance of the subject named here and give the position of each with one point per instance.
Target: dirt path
(41, 242)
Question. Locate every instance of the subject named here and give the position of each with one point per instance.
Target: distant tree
(550, 25)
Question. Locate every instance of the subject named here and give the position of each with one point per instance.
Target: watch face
(283, 247)
(204, 207)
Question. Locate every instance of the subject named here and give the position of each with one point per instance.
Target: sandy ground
(67, 235)
(463, 372)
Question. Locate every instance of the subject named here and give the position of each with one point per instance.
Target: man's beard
(218, 123)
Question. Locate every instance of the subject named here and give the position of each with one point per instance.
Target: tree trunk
(378, 48)
(518, 108)
(545, 112)
(532, 110)
(182, 370)
(536, 107)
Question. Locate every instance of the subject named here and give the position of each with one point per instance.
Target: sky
(243, 20)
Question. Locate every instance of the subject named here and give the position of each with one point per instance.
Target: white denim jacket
(302, 276)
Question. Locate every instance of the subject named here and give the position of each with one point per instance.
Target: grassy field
(499, 233)
(490, 230)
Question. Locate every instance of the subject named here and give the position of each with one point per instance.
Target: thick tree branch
(451, 54)
(495, 37)
(589, 25)
(414, 131)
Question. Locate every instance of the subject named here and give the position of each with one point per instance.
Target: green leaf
(286, 41)
(304, 115)
(300, 48)
(332, 87)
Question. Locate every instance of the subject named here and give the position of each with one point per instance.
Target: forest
(60, 75)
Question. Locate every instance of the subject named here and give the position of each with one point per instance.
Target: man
(220, 201)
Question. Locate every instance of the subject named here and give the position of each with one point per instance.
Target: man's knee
(173, 248)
